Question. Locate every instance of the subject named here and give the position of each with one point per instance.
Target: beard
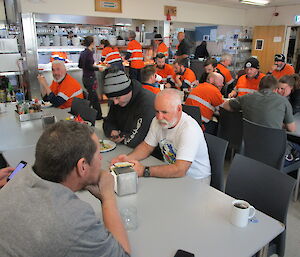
(167, 124)
(59, 80)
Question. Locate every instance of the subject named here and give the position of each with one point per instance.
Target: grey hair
(226, 57)
(173, 94)
(131, 34)
(58, 62)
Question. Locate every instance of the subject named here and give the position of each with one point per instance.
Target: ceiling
(236, 4)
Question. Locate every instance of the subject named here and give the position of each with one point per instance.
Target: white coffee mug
(241, 212)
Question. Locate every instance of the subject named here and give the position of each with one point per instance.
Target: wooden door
(273, 43)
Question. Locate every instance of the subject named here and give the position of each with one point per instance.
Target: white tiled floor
(293, 225)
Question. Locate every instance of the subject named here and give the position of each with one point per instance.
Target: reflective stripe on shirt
(247, 90)
(200, 100)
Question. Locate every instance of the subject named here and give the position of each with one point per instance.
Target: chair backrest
(217, 150)
(88, 114)
(193, 111)
(77, 104)
(264, 187)
(264, 144)
(231, 128)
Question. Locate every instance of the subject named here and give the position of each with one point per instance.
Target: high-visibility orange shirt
(111, 54)
(136, 59)
(154, 90)
(67, 89)
(226, 73)
(58, 56)
(188, 77)
(162, 48)
(166, 73)
(245, 85)
(286, 70)
(207, 97)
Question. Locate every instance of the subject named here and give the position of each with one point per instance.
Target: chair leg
(296, 191)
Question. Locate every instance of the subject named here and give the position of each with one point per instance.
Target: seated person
(249, 82)
(180, 139)
(132, 110)
(289, 86)
(210, 65)
(63, 88)
(280, 68)
(222, 66)
(148, 75)
(208, 97)
(164, 70)
(40, 205)
(184, 78)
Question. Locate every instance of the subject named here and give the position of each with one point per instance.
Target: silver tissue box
(125, 180)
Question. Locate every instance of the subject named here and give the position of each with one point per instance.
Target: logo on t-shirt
(168, 151)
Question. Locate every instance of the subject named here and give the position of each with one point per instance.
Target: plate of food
(46, 104)
(106, 145)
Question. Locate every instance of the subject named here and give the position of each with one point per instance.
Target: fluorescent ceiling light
(255, 2)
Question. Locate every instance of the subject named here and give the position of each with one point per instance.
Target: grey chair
(264, 187)
(193, 111)
(231, 129)
(268, 145)
(77, 104)
(217, 150)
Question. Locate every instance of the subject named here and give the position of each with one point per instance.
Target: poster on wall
(259, 44)
(108, 5)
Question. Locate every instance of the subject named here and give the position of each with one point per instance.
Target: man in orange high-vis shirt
(161, 47)
(222, 66)
(280, 68)
(149, 79)
(208, 97)
(249, 82)
(134, 56)
(184, 77)
(63, 88)
(164, 70)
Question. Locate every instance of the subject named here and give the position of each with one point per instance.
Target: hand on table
(104, 190)
(4, 173)
(138, 167)
(120, 158)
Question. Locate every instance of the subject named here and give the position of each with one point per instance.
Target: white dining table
(172, 214)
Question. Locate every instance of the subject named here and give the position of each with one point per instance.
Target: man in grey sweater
(40, 212)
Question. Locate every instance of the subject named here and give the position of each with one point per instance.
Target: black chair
(268, 145)
(193, 111)
(77, 104)
(231, 129)
(264, 187)
(88, 114)
(217, 150)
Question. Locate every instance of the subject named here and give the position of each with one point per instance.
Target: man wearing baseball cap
(280, 68)
(249, 82)
(132, 110)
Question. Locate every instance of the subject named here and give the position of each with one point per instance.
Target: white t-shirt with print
(183, 142)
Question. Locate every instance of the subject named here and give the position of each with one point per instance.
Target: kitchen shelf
(42, 49)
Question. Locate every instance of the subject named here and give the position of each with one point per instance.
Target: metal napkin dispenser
(125, 180)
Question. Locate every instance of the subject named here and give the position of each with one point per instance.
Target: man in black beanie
(132, 110)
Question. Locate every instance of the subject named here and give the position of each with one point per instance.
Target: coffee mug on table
(241, 212)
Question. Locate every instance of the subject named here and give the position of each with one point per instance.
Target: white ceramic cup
(241, 212)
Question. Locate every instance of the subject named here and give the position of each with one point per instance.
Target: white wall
(265, 17)
(142, 9)
(2, 11)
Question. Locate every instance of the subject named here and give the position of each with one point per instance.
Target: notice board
(108, 5)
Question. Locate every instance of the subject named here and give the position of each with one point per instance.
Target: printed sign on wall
(108, 5)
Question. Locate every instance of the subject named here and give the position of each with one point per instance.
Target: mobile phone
(20, 166)
(3, 162)
(182, 253)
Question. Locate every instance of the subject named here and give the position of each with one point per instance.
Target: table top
(181, 213)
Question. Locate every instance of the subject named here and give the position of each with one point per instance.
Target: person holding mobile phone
(40, 205)
(4, 173)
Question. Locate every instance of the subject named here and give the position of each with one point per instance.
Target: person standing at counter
(161, 47)
(111, 55)
(63, 88)
(134, 56)
(201, 51)
(40, 205)
(86, 63)
(183, 49)
(130, 115)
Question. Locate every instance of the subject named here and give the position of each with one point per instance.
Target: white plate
(110, 145)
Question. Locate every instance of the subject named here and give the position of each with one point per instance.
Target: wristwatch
(147, 172)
